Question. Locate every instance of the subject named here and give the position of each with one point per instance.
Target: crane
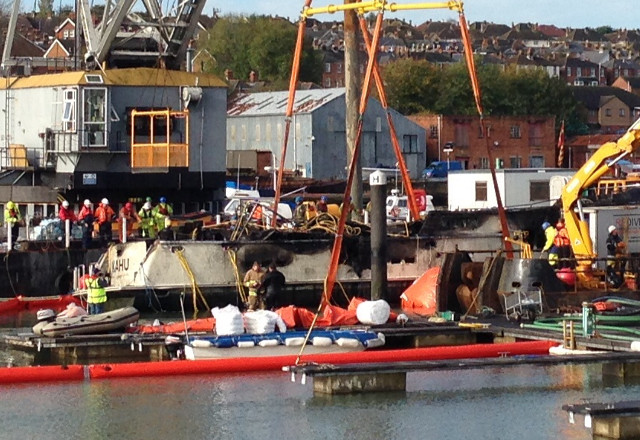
(598, 164)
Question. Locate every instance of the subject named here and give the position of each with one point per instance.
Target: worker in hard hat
(161, 212)
(299, 212)
(105, 215)
(563, 243)
(321, 206)
(66, 213)
(147, 222)
(13, 218)
(128, 213)
(616, 249)
(549, 247)
(86, 219)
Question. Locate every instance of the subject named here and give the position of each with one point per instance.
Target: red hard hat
(128, 205)
(560, 224)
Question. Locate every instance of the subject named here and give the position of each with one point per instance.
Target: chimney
(253, 76)
(228, 74)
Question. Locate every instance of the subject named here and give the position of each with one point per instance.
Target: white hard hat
(611, 229)
(65, 204)
(147, 205)
(87, 202)
(105, 201)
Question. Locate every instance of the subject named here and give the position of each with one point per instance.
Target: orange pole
(468, 53)
(406, 179)
(337, 244)
(293, 81)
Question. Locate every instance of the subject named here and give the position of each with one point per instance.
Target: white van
(398, 206)
(284, 210)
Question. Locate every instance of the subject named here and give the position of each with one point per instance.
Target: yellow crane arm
(587, 175)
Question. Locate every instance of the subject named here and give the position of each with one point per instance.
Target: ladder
(568, 336)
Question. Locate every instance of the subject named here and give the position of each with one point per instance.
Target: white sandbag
(228, 320)
(348, 342)
(246, 344)
(321, 341)
(268, 343)
(373, 312)
(260, 322)
(294, 342)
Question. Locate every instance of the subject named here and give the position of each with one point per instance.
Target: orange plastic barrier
(421, 297)
(21, 303)
(41, 374)
(195, 325)
(237, 365)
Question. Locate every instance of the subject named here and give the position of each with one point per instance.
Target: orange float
(238, 365)
(53, 373)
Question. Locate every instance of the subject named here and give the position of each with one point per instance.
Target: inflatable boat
(88, 324)
(281, 344)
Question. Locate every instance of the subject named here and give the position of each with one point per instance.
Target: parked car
(441, 168)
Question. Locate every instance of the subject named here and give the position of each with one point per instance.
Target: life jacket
(104, 213)
(257, 213)
(162, 209)
(562, 238)
(96, 294)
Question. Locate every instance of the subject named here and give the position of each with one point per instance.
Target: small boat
(281, 344)
(88, 324)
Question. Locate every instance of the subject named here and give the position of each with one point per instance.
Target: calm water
(514, 403)
(523, 403)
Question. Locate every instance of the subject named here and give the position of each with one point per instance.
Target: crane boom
(597, 165)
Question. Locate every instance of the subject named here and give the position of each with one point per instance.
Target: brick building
(516, 141)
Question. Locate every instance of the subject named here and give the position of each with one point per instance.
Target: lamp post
(448, 149)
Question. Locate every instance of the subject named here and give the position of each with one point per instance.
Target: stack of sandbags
(260, 322)
(373, 312)
(228, 320)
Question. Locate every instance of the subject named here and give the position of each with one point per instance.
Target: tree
(261, 44)
(411, 86)
(45, 7)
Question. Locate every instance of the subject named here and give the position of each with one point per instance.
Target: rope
(195, 289)
(236, 274)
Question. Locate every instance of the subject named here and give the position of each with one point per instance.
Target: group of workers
(558, 247)
(151, 219)
(266, 290)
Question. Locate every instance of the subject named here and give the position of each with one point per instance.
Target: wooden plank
(629, 407)
(462, 364)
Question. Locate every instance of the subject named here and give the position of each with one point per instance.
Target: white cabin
(519, 188)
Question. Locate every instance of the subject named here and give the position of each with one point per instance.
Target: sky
(562, 13)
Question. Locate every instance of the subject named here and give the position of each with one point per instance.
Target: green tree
(45, 7)
(261, 44)
(411, 86)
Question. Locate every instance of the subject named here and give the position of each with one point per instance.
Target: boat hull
(90, 324)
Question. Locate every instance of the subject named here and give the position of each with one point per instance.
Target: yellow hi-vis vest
(96, 294)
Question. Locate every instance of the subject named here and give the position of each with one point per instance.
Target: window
(622, 112)
(514, 132)
(483, 163)
(69, 111)
(433, 131)
(481, 191)
(536, 162)
(410, 143)
(257, 132)
(568, 71)
(578, 71)
(94, 120)
(539, 190)
(72, 33)
(327, 82)
(327, 67)
(607, 112)
(93, 79)
(515, 162)
(65, 34)
(339, 67)
(536, 133)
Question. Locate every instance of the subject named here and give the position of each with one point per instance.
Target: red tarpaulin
(421, 297)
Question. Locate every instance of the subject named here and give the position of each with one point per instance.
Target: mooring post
(378, 184)
(124, 230)
(67, 233)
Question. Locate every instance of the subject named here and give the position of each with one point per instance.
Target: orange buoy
(41, 374)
